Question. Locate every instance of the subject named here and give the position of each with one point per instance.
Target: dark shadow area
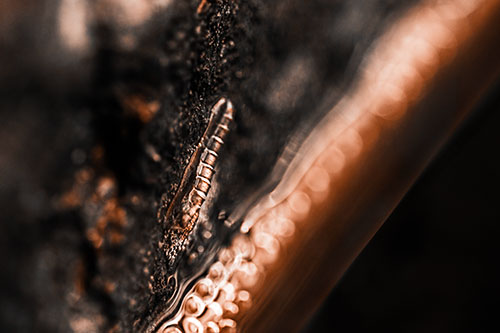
(433, 266)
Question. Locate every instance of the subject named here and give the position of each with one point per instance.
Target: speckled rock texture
(102, 104)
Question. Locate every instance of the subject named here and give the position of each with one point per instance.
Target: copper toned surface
(416, 86)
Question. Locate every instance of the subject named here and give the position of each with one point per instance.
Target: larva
(206, 165)
(196, 181)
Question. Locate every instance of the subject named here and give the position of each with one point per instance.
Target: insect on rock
(184, 209)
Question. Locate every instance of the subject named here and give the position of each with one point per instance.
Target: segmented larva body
(184, 209)
(208, 159)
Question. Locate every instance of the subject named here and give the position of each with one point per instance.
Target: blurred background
(100, 104)
(432, 267)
